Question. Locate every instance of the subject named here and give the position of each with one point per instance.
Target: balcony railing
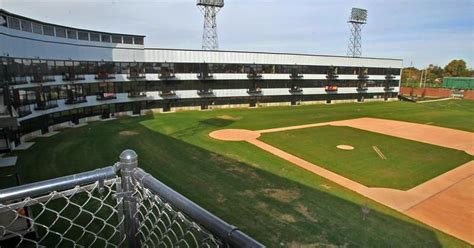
(42, 78)
(106, 96)
(16, 80)
(362, 89)
(205, 76)
(388, 88)
(167, 93)
(136, 75)
(73, 77)
(104, 76)
(389, 77)
(114, 206)
(23, 110)
(296, 90)
(254, 91)
(75, 99)
(363, 77)
(254, 75)
(166, 75)
(205, 92)
(332, 74)
(295, 74)
(44, 105)
(133, 94)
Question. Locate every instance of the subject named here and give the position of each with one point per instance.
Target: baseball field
(276, 199)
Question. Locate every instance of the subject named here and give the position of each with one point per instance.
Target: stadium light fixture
(357, 20)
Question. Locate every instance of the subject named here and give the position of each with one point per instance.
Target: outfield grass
(407, 164)
(266, 197)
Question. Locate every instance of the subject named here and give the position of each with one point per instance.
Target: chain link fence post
(128, 162)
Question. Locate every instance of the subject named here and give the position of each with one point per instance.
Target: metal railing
(116, 206)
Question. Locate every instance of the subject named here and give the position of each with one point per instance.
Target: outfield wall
(435, 92)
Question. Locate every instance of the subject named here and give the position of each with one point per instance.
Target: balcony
(362, 89)
(167, 93)
(75, 100)
(332, 74)
(23, 110)
(18, 80)
(296, 75)
(44, 105)
(296, 90)
(389, 77)
(166, 75)
(136, 75)
(73, 77)
(42, 78)
(363, 76)
(136, 94)
(106, 96)
(254, 91)
(205, 92)
(104, 76)
(254, 75)
(205, 76)
(330, 88)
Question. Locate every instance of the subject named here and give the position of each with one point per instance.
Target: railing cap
(128, 157)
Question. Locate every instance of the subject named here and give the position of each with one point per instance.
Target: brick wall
(434, 92)
(469, 94)
(429, 92)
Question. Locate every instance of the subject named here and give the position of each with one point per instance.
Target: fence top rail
(228, 233)
(56, 184)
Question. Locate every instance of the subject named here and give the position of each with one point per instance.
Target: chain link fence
(116, 206)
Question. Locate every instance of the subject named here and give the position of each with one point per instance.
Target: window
(25, 25)
(61, 32)
(127, 40)
(72, 34)
(13, 23)
(105, 37)
(51, 67)
(94, 37)
(116, 39)
(37, 28)
(48, 30)
(138, 40)
(60, 68)
(3, 21)
(83, 35)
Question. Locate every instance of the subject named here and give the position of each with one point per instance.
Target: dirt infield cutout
(444, 202)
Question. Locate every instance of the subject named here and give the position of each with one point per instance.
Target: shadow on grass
(217, 122)
(274, 210)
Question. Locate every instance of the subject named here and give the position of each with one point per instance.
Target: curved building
(53, 76)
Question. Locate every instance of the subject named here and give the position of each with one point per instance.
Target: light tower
(210, 8)
(357, 20)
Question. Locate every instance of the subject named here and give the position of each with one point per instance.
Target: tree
(434, 74)
(410, 75)
(456, 68)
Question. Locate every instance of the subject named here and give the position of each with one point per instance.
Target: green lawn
(407, 164)
(266, 197)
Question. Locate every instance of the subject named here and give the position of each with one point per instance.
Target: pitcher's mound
(345, 147)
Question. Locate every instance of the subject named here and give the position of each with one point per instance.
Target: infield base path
(445, 202)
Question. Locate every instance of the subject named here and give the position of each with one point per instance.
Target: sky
(421, 32)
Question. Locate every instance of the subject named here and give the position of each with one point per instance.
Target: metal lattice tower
(357, 20)
(210, 8)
